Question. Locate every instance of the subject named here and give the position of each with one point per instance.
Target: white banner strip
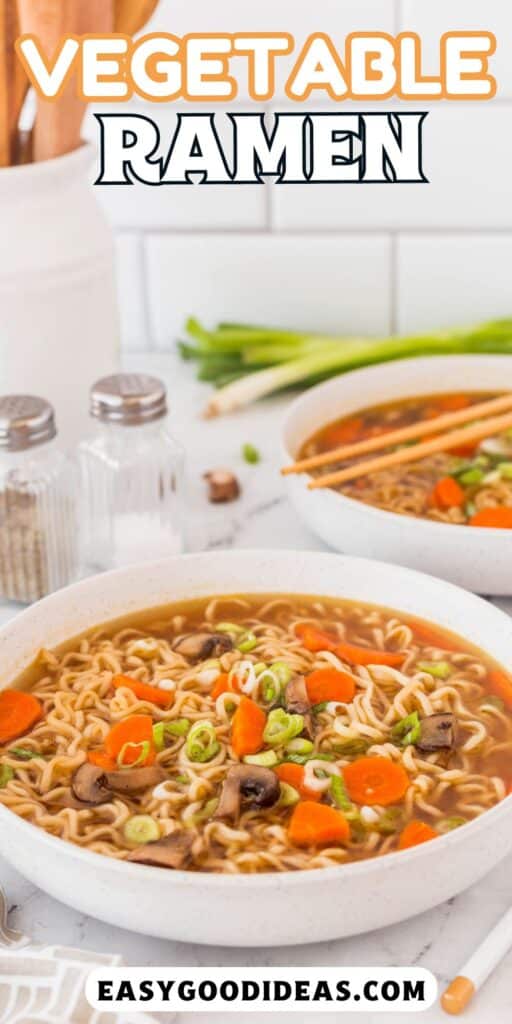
(286, 989)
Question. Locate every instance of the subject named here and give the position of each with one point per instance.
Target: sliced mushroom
(298, 703)
(135, 780)
(172, 851)
(256, 785)
(223, 486)
(296, 696)
(198, 646)
(438, 732)
(90, 786)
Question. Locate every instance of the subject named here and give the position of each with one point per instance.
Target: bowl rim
(332, 496)
(263, 880)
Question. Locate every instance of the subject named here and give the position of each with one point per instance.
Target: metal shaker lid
(128, 399)
(25, 421)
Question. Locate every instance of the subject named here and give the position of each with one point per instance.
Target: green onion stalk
(247, 363)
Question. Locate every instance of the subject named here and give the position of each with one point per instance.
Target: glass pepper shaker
(132, 472)
(38, 529)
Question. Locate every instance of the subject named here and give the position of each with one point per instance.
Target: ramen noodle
(470, 485)
(256, 734)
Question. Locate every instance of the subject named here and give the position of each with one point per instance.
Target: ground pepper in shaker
(132, 472)
(38, 529)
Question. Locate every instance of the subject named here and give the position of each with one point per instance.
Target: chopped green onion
(202, 744)
(180, 727)
(351, 747)
(144, 748)
(282, 727)
(247, 642)
(270, 687)
(141, 829)
(289, 795)
(449, 824)
(273, 680)
(229, 627)
(6, 774)
(437, 669)
(300, 746)
(267, 759)
(505, 470)
(390, 821)
(260, 667)
(251, 454)
(358, 832)
(318, 708)
(23, 754)
(471, 476)
(206, 812)
(470, 509)
(282, 671)
(407, 730)
(339, 793)
(304, 758)
(495, 702)
(182, 780)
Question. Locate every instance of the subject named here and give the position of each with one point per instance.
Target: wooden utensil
(14, 83)
(58, 123)
(410, 433)
(453, 439)
(130, 16)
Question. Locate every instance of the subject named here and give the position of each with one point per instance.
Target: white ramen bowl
(479, 559)
(270, 909)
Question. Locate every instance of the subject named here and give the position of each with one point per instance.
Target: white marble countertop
(440, 940)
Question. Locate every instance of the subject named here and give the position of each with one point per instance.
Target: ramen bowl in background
(273, 909)
(478, 559)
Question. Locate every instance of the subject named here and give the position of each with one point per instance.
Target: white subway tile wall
(333, 258)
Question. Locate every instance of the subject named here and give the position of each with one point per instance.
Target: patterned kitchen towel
(45, 985)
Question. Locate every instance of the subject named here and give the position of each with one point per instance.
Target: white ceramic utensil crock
(58, 307)
(479, 559)
(271, 909)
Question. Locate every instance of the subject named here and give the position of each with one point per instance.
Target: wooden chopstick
(479, 967)
(373, 444)
(453, 439)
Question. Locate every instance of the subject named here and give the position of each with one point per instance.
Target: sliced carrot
(249, 721)
(293, 774)
(345, 432)
(314, 639)
(452, 403)
(429, 636)
(500, 684)
(19, 711)
(102, 760)
(329, 684)
(499, 518)
(448, 493)
(366, 656)
(152, 694)
(314, 824)
(416, 832)
(136, 729)
(220, 686)
(375, 780)
(464, 451)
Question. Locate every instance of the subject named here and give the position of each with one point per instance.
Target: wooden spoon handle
(58, 123)
(13, 82)
(130, 16)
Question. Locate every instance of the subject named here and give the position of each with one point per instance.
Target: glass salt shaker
(132, 472)
(38, 529)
